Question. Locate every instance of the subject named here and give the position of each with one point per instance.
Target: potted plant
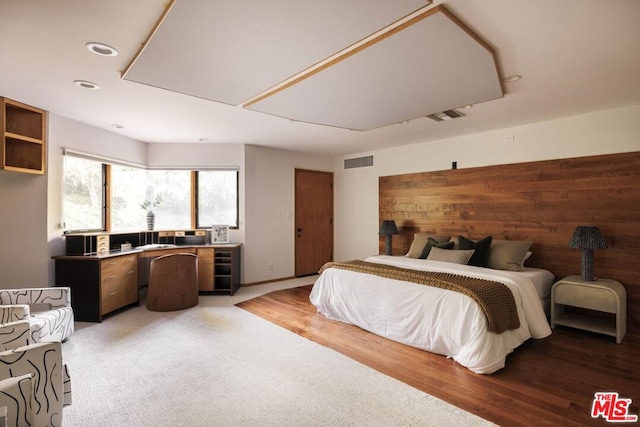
(149, 205)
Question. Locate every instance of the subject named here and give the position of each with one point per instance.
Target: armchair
(48, 311)
(32, 383)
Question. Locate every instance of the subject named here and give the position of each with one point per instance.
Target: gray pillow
(420, 241)
(508, 254)
(450, 255)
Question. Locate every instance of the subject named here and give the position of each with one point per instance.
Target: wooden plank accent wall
(538, 201)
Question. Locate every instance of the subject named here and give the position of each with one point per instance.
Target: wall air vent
(445, 115)
(358, 162)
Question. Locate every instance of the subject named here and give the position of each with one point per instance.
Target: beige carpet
(218, 365)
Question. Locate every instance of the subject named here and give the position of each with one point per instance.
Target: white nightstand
(603, 295)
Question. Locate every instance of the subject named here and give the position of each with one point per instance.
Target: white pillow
(450, 255)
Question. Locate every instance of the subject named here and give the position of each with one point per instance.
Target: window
(83, 194)
(174, 189)
(217, 192)
(86, 181)
(167, 191)
(128, 190)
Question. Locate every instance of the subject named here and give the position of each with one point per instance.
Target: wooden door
(313, 220)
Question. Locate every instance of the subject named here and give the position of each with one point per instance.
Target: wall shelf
(23, 147)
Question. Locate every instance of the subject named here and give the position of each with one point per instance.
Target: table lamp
(388, 228)
(587, 238)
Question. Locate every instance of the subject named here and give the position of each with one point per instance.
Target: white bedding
(437, 320)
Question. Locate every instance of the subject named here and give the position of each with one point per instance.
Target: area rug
(218, 365)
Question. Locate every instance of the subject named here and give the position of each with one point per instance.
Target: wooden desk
(103, 283)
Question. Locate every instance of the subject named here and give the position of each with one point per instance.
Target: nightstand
(604, 295)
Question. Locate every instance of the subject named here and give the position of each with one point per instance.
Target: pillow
(456, 242)
(508, 254)
(481, 247)
(420, 241)
(432, 243)
(450, 255)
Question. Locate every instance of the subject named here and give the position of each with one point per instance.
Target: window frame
(106, 190)
(195, 188)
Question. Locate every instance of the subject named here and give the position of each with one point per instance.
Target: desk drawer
(109, 267)
(205, 256)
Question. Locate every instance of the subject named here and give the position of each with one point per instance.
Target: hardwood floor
(548, 382)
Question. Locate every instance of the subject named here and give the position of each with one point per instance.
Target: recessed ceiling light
(117, 125)
(101, 49)
(466, 107)
(86, 84)
(512, 78)
(404, 122)
(203, 139)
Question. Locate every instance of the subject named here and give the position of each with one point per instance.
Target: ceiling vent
(445, 115)
(358, 162)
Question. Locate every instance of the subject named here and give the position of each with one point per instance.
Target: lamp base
(587, 265)
(387, 245)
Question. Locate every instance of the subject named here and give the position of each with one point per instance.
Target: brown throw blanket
(495, 299)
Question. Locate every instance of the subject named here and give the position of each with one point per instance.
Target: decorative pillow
(450, 255)
(432, 243)
(508, 254)
(481, 247)
(420, 241)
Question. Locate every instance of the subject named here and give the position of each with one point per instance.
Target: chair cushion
(52, 325)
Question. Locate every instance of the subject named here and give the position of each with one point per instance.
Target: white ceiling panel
(230, 51)
(430, 66)
(575, 57)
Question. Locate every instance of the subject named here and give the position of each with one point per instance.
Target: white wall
(266, 198)
(269, 237)
(23, 227)
(356, 194)
(266, 193)
(30, 213)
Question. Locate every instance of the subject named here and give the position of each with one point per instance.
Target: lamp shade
(388, 227)
(587, 237)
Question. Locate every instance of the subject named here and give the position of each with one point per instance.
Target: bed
(437, 320)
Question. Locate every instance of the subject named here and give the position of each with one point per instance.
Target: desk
(103, 283)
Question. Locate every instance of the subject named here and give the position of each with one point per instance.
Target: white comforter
(429, 318)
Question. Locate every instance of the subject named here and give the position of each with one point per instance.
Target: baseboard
(267, 281)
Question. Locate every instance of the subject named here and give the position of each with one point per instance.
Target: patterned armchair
(34, 385)
(48, 311)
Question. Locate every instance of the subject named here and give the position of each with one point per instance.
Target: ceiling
(575, 56)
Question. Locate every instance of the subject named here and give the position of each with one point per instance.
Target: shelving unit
(23, 147)
(226, 269)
